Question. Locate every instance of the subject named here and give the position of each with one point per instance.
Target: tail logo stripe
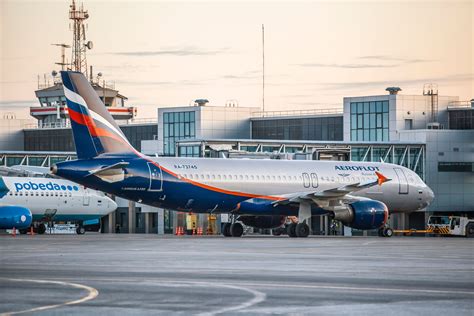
(74, 97)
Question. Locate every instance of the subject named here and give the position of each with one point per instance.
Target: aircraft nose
(430, 195)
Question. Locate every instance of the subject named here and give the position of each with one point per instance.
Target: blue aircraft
(259, 193)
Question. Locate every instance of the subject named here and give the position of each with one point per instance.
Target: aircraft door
(156, 177)
(87, 197)
(402, 181)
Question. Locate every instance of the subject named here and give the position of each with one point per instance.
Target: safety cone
(31, 231)
(200, 231)
(194, 231)
(177, 231)
(14, 232)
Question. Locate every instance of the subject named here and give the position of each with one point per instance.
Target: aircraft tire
(80, 230)
(41, 229)
(24, 231)
(387, 232)
(236, 230)
(380, 232)
(302, 230)
(291, 230)
(277, 231)
(470, 230)
(226, 230)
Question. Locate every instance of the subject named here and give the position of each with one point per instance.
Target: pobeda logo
(44, 186)
(357, 168)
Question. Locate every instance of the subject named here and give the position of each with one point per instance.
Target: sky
(168, 53)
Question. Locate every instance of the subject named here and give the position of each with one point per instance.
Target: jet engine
(363, 215)
(15, 216)
(263, 221)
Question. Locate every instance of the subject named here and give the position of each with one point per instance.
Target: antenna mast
(263, 68)
(63, 62)
(79, 45)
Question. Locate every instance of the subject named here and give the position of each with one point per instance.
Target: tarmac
(153, 275)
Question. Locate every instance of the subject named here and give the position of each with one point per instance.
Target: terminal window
(177, 126)
(369, 121)
(455, 167)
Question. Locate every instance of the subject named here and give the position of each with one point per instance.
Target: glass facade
(314, 128)
(61, 139)
(461, 119)
(369, 121)
(411, 157)
(176, 126)
(189, 151)
(136, 133)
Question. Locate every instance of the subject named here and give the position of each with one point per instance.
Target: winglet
(381, 178)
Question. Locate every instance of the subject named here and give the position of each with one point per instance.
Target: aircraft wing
(328, 197)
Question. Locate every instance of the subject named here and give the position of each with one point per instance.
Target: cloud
(161, 83)
(392, 62)
(183, 51)
(348, 66)
(403, 82)
(18, 103)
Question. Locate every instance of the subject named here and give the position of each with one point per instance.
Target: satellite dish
(89, 44)
(54, 73)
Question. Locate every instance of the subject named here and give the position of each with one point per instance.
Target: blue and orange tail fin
(95, 131)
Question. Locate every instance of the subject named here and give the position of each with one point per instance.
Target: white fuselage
(62, 199)
(405, 192)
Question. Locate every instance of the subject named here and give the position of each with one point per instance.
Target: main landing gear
(233, 229)
(298, 230)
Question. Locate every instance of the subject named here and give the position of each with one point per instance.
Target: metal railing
(67, 123)
(328, 111)
(460, 104)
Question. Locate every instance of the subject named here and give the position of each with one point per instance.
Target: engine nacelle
(264, 221)
(15, 216)
(363, 215)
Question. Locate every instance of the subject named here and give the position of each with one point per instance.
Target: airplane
(27, 201)
(257, 193)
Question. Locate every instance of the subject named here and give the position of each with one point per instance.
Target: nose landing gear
(385, 232)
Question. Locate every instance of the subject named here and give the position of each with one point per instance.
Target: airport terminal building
(430, 134)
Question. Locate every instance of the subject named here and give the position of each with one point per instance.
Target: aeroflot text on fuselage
(44, 186)
(357, 168)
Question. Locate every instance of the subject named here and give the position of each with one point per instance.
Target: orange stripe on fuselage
(215, 189)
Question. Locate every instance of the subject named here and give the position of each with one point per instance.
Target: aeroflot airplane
(31, 200)
(256, 192)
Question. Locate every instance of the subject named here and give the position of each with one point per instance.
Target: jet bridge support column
(131, 217)
(147, 222)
